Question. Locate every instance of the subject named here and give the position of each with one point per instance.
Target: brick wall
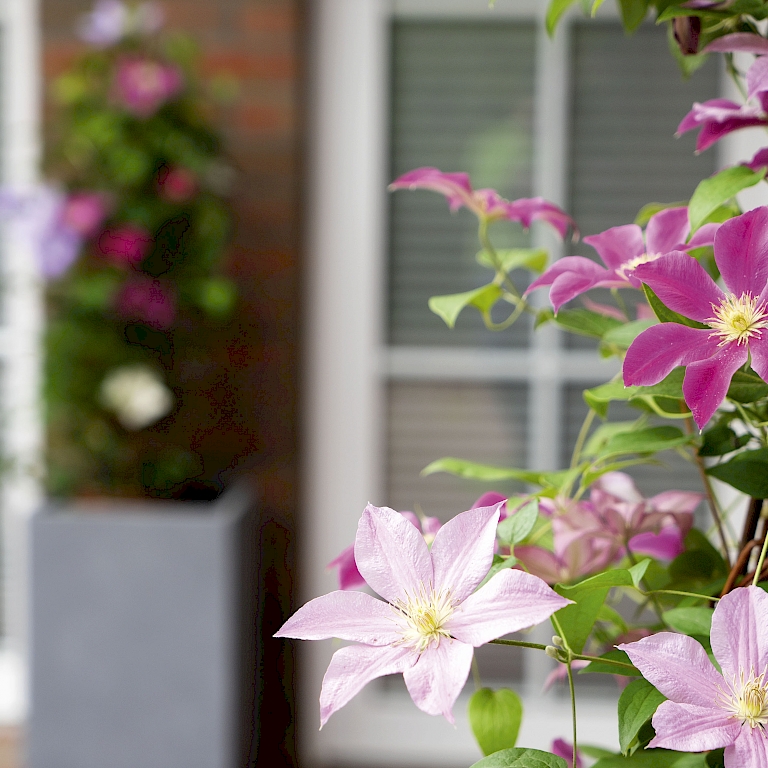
(245, 414)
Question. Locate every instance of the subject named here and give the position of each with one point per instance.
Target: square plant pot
(144, 622)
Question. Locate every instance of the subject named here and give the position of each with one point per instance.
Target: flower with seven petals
(486, 204)
(736, 321)
(622, 249)
(433, 616)
(705, 709)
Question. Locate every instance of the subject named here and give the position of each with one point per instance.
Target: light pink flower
(736, 320)
(706, 709)
(349, 576)
(486, 204)
(143, 85)
(432, 618)
(84, 212)
(622, 249)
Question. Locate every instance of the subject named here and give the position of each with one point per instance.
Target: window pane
(480, 422)
(462, 100)
(628, 99)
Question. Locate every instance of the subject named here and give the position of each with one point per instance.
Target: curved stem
(572, 690)
(760, 562)
(485, 241)
(679, 592)
(582, 438)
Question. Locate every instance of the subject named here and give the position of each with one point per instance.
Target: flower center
(738, 319)
(423, 617)
(629, 266)
(750, 704)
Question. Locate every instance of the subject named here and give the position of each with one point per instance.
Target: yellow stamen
(624, 270)
(748, 700)
(422, 617)
(738, 318)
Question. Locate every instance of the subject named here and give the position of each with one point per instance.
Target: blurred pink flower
(176, 184)
(84, 212)
(349, 576)
(486, 204)
(562, 748)
(126, 244)
(143, 85)
(147, 300)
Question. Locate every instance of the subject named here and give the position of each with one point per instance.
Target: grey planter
(144, 626)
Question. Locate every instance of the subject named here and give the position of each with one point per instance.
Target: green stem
(582, 438)
(679, 592)
(485, 241)
(476, 674)
(573, 711)
(735, 75)
(520, 644)
(580, 656)
(611, 662)
(760, 562)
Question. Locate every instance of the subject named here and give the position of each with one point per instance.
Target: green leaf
(625, 334)
(747, 387)
(598, 398)
(716, 758)
(690, 621)
(534, 259)
(637, 571)
(449, 307)
(637, 703)
(633, 12)
(603, 434)
(499, 564)
(521, 758)
(721, 439)
(716, 190)
(603, 668)
(746, 472)
(651, 209)
(648, 440)
(586, 323)
(518, 526)
(576, 621)
(665, 314)
(474, 471)
(654, 758)
(495, 717)
(556, 9)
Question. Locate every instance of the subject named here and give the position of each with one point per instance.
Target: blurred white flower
(137, 395)
(112, 20)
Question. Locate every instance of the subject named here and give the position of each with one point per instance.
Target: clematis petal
(676, 502)
(749, 749)
(706, 381)
(618, 484)
(455, 186)
(353, 667)
(741, 252)
(437, 678)
(391, 554)
(691, 728)
(574, 274)
(660, 348)
(678, 666)
(747, 648)
(712, 110)
(758, 348)
(346, 615)
(462, 551)
(704, 236)
(667, 544)
(540, 562)
(571, 284)
(682, 284)
(509, 602)
(667, 230)
(349, 576)
(745, 42)
(618, 245)
(757, 77)
(528, 210)
(759, 160)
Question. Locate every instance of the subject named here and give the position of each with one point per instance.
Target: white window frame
(347, 363)
(21, 428)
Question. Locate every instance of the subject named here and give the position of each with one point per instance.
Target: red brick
(249, 65)
(192, 16)
(269, 18)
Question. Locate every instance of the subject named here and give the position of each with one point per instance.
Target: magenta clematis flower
(125, 245)
(622, 250)
(486, 204)
(147, 300)
(564, 749)
(736, 320)
(706, 709)
(759, 161)
(349, 576)
(432, 618)
(718, 117)
(143, 85)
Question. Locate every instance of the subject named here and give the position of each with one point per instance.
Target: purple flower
(147, 300)
(736, 320)
(719, 117)
(349, 576)
(143, 85)
(432, 618)
(486, 204)
(111, 20)
(622, 250)
(562, 748)
(176, 184)
(706, 709)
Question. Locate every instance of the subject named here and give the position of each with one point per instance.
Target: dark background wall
(242, 416)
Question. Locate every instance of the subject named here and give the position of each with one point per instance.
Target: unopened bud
(552, 652)
(557, 641)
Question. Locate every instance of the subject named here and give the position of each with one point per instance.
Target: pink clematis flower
(564, 749)
(706, 709)
(736, 320)
(147, 300)
(143, 85)
(432, 618)
(486, 204)
(622, 250)
(349, 576)
(124, 245)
